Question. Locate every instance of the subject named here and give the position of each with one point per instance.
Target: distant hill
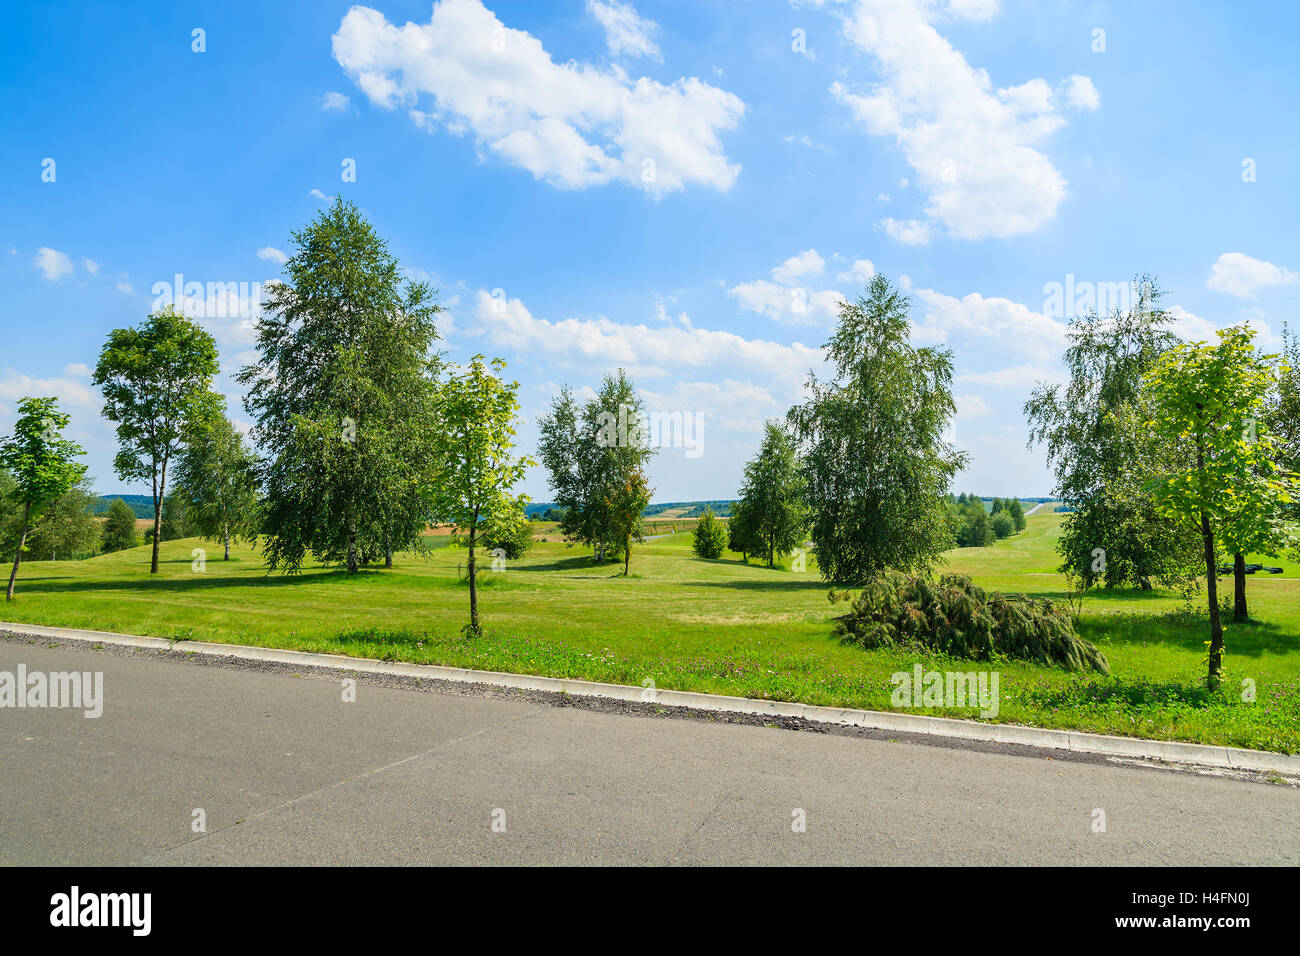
(142, 505)
(663, 509)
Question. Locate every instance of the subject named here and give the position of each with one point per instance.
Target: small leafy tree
(216, 479)
(625, 507)
(596, 455)
(512, 537)
(1229, 487)
(41, 462)
(119, 528)
(1283, 416)
(1017, 512)
(773, 495)
(155, 379)
(475, 414)
(709, 539)
(1002, 524)
(741, 536)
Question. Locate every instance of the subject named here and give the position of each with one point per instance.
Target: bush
(1003, 524)
(119, 527)
(955, 616)
(514, 539)
(709, 537)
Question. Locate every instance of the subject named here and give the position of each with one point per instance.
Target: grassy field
(718, 626)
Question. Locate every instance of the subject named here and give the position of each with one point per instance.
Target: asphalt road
(286, 772)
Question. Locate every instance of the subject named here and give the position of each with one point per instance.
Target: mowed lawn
(717, 626)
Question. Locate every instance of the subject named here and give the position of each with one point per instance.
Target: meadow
(720, 626)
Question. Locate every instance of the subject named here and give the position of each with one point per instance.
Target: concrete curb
(1172, 751)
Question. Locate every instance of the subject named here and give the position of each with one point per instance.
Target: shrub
(954, 616)
(119, 527)
(1003, 524)
(709, 537)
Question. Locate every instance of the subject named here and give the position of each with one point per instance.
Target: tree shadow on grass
(1188, 631)
(796, 585)
(1124, 695)
(196, 582)
(578, 563)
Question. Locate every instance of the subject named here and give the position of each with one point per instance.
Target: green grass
(716, 626)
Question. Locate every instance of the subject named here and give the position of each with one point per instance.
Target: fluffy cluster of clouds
(1237, 274)
(626, 32)
(571, 124)
(974, 147)
(788, 299)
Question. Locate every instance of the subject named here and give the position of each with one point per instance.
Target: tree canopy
(342, 395)
(876, 464)
(156, 382)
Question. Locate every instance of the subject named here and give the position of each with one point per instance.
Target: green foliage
(174, 523)
(512, 537)
(709, 538)
(216, 483)
(119, 528)
(68, 530)
(772, 496)
(742, 533)
(1094, 430)
(39, 460)
(1003, 524)
(475, 416)
(343, 396)
(1283, 416)
(876, 464)
(596, 455)
(1211, 400)
(1017, 512)
(957, 617)
(969, 522)
(155, 379)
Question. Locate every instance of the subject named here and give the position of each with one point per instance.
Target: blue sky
(682, 189)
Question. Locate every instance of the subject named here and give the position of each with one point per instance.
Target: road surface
(285, 771)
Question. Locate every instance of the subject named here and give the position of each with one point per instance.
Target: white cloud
(860, 273)
(54, 264)
(272, 254)
(125, 287)
(650, 351)
(625, 31)
(77, 369)
(911, 232)
(806, 263)
(573, 125)
(996, 326)
(1239, 275)
(321, 196)
(728, 404)
(806, 141)
(1080, 93)
(786, 300)
(1014, 376)
(334, 101)
(971, 405)
(973, 147)
(90, 265)
(70, 392)
(793, 305)
(1193, 328)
